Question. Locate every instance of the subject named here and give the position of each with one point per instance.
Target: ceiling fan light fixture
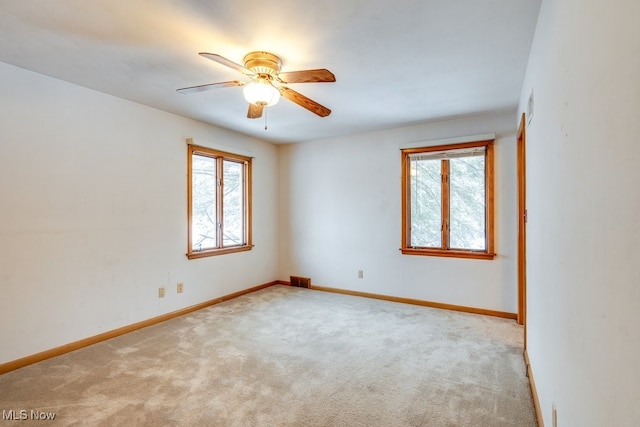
(264, 70)
(261, 92)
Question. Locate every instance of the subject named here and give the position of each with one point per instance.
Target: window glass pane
(467, 203)
(426, 203)
(232, 206)
(203, 210)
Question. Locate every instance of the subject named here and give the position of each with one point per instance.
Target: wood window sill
(448, 253)
(214, 252)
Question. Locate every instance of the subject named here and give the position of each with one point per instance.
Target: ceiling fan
(267, 82)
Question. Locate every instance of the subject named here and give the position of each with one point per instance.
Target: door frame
(522, 227)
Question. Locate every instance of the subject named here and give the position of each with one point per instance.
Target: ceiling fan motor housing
(263, 63)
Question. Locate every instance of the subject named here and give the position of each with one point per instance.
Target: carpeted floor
(287, 356)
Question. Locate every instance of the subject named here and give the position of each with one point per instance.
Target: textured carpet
(286, 356)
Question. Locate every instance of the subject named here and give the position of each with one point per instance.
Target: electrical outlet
(360, 274)
(180, 287)
(161, 292)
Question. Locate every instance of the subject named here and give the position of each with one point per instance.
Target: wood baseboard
(534, 391)
(57, 351)
(453, 307)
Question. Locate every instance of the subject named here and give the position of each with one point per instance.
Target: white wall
(340, 213)
(583, 200)
(93, 214)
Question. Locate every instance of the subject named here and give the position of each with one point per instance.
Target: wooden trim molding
(534, 391)
(213, 252)
(448, 253)
(76, 345)
(423, 303)
(522, 225)
(67, 348)
(220, 157)
(444, 250)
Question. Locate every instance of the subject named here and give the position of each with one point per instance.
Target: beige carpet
(288, 357)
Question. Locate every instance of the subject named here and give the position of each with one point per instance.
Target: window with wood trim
(447, 200)
(219, 202)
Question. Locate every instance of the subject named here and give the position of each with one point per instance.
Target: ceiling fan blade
(229, 63)
(307, 76)
(201, 88)
(255, 111)
(305, 102)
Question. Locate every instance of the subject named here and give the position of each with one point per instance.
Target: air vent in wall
(300, 282)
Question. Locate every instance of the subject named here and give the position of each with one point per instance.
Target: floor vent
(300, 282)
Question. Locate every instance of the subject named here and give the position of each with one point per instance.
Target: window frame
(489, 252)
(220, 156)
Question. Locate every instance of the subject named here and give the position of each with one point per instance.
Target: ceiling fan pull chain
(265, 118)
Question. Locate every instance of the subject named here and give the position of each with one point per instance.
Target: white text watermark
(27, 414)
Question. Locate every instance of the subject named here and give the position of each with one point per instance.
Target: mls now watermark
(24, 414)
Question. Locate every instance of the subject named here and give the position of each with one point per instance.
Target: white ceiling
(396, 62)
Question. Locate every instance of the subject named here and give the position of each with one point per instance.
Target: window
(447, 200)
(219, 205)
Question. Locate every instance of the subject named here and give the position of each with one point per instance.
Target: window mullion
(445, 204)
(219, 201)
